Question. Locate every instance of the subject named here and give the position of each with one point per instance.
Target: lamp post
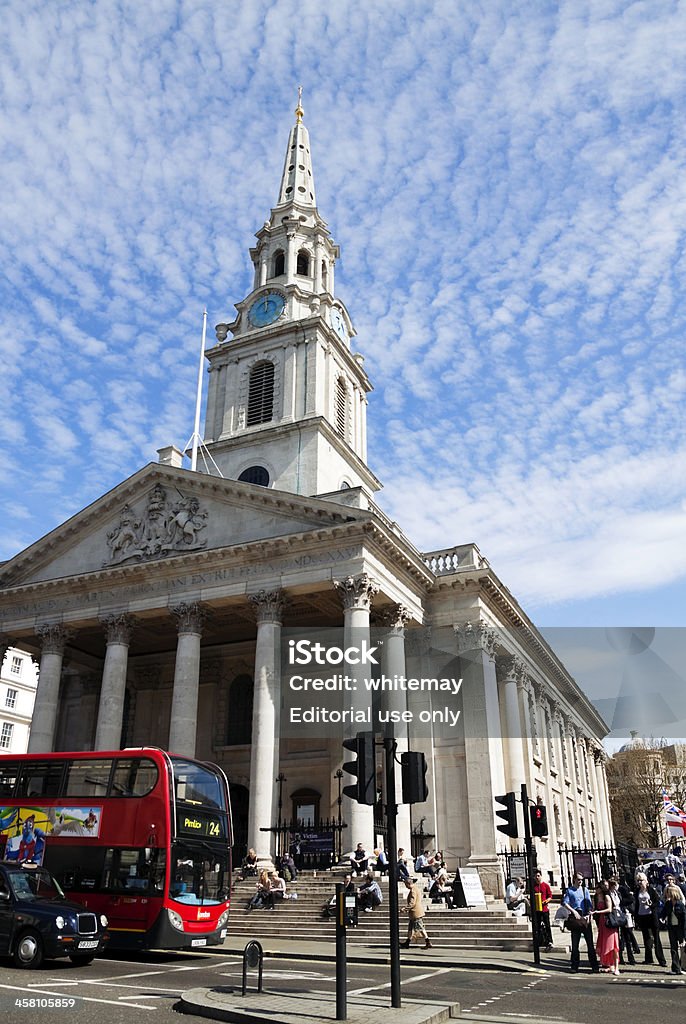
(339, 777)
(280, 779)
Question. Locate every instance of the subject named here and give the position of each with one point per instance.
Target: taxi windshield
(37, 884)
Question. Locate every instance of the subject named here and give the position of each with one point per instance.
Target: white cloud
(507, 187)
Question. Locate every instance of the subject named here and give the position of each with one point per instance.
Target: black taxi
(38, 922)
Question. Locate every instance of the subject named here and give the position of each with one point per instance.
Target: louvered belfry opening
(261, 394)
(341, 406)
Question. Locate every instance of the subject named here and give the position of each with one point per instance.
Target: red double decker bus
(138, 834)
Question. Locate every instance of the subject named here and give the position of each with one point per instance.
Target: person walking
(674, 916)
(415, 908)
(579, 922)
(542, 916)
(607, 943)
(647, 903)
(623, 902)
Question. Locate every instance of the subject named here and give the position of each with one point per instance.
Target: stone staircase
(486, 929)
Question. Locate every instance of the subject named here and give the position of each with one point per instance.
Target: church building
(157, 613)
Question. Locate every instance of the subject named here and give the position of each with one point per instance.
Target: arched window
(255, 475)
(302, 265)
(325, 271)
(341, 407)
(279, 264)
(239, 721)
(261, 394)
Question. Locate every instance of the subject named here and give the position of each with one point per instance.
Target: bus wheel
(81, 961)
(28, 951)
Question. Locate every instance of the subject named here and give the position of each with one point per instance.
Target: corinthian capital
(268, 605)
(118, 628)
(54, 637)
(476, 636)
(510, 667)
(190, 618)
(356, 591)
(394, 618)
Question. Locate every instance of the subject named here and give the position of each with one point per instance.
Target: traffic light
(413, 774)
(508, 814)
(364, 790)
(539, 820)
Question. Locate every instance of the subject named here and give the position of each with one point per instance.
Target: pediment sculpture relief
(165, 526)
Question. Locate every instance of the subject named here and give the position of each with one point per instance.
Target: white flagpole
(198, 399)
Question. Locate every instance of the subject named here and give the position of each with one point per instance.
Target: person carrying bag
(579, 922)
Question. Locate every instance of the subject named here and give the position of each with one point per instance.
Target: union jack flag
(675, 817)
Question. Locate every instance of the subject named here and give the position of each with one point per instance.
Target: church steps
(492, 929)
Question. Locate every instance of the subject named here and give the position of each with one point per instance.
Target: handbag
(612, 919)
(577, 923)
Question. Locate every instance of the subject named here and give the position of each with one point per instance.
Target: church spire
(297, 181)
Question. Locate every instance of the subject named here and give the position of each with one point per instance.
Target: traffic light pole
(529, 846)
(390, 747)
(341, 955)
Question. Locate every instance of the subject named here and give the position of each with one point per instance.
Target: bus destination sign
(205, 826)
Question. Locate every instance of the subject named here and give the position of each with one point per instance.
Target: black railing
(421, 840)
(596, 862)
(312, 845)
(514, 862)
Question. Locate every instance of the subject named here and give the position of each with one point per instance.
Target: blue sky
(507, 182)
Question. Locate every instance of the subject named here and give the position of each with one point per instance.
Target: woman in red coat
(607, 943)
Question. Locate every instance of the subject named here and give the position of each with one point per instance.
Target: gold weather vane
(299, 112)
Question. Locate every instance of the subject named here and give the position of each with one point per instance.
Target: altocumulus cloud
(506, 184)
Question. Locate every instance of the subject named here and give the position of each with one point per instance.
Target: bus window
(134, 870)
(133, 776)
(8, 778)
(41, 778)
(195, 785)
(88, 778)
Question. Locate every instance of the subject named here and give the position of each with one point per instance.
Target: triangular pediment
(162, 512)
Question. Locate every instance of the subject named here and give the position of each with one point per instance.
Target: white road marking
(406, 981)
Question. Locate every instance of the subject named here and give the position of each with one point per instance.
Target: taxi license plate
(198, 942)
(88, 945)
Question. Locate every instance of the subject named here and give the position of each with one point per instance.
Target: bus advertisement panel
(138, 834)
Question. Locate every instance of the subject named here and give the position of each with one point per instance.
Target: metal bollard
(253, 956)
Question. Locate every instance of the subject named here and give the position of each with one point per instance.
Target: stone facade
(157, 612)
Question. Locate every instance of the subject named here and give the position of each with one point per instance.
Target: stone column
(510, 670)
(393, 665)
(111, 706)
(483, 749)
(562, 771)
(594, 800)
(53, 641)
(356, 593)
(290, 258)
(264, 752)
(603, 795)
(184, 710)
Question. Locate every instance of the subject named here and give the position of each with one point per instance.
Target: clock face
(338, 324)
(266, 309)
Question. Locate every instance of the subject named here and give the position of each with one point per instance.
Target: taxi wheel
(28, 951)
(81, 961)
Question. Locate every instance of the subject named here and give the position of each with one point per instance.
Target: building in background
(18, 682)
(170, 593)
(638, 776)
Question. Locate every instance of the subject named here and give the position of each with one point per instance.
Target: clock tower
(287, 401)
